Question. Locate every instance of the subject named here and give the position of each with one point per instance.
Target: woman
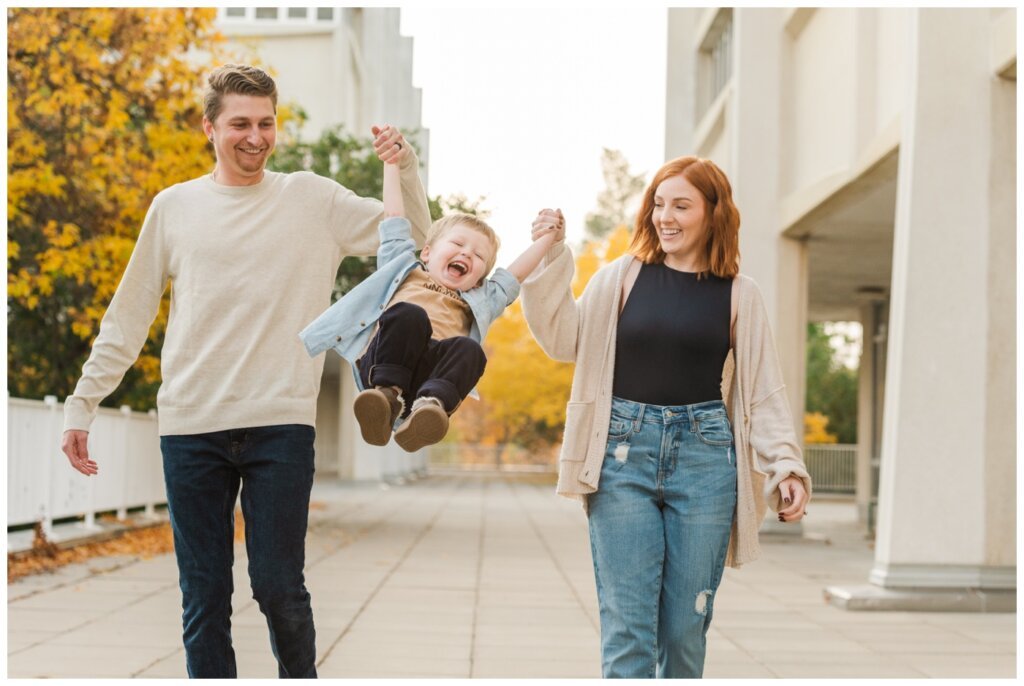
(673, 355)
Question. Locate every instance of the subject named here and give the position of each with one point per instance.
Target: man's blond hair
(236, 78)
(438, 229)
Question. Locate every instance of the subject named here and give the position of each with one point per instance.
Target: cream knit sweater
(583, 332)
(249, 267)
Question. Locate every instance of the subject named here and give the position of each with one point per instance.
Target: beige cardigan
(583, 332)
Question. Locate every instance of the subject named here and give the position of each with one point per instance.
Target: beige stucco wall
(355, 71)
(890, 64)
(302, 64)
(843, 84)
(820, 73)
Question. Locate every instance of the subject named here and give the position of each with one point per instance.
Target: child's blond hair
(438, 228)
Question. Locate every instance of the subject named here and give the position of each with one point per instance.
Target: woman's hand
(549, 221)
(794, 497)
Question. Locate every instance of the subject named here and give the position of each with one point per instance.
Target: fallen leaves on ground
(146, 542)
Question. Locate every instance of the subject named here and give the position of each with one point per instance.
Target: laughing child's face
(458, 258)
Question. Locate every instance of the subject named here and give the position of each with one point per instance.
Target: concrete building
(872, 155)
(349, 66)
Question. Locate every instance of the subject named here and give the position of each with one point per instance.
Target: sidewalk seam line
(479, 577)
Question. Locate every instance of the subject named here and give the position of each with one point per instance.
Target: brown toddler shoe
(376, 410)
(426, 425)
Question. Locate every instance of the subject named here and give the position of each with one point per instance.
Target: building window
(715, 61)
(234, 12)
(266, 13)
(298, 12)
(325, 14)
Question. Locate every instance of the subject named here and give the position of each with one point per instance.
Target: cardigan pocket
(579, 422)
(757, 482)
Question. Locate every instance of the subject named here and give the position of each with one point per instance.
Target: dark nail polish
(787, 501)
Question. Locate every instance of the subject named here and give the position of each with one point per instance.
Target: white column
(327, 407)
(1001, 416)
(777, 263)
(947, 501)
(870, 387)
(363, 462)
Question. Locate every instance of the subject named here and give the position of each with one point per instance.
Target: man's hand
(75, 446)
(549, 221)
(389, 144)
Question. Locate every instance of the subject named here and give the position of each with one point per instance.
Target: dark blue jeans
(273, 465)
(403, 354)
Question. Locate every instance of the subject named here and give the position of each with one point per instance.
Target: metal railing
(42, 486)
(833, 467)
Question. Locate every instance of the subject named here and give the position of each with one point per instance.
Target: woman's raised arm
(549, 307)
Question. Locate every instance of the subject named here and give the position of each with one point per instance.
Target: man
(252, 256)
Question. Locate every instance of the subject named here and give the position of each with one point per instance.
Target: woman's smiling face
(679, 221)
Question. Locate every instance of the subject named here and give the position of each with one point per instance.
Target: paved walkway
(484, 576)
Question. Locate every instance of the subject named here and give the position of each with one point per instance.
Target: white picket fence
(41, 484)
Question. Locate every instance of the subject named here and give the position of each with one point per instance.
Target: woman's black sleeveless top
(673, 338)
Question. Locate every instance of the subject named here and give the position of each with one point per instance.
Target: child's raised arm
(524, 265)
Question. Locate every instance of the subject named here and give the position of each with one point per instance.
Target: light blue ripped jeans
(659, 528)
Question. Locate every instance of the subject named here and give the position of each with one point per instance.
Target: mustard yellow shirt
(449, 314)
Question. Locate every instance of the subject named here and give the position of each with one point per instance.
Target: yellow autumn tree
(523, 391)
(816, 429)
(103, 111)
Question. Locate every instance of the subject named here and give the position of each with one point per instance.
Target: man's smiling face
(244, 135)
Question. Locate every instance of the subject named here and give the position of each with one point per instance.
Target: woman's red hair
(721, 217)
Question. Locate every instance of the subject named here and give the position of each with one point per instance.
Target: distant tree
(831, 386)
(816, 429)
(457, 202)
(102, 113)
(615, 202)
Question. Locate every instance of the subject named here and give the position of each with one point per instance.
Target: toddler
(413, 329)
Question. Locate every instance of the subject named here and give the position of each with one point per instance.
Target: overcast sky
(520, 102)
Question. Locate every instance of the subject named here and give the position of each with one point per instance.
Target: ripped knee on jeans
(701, 604)
(621, 452)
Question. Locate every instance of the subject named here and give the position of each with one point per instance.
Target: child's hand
(549, 222)
(389, 144)
(548, 229)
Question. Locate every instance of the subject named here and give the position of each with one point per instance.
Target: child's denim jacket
(348, 324)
